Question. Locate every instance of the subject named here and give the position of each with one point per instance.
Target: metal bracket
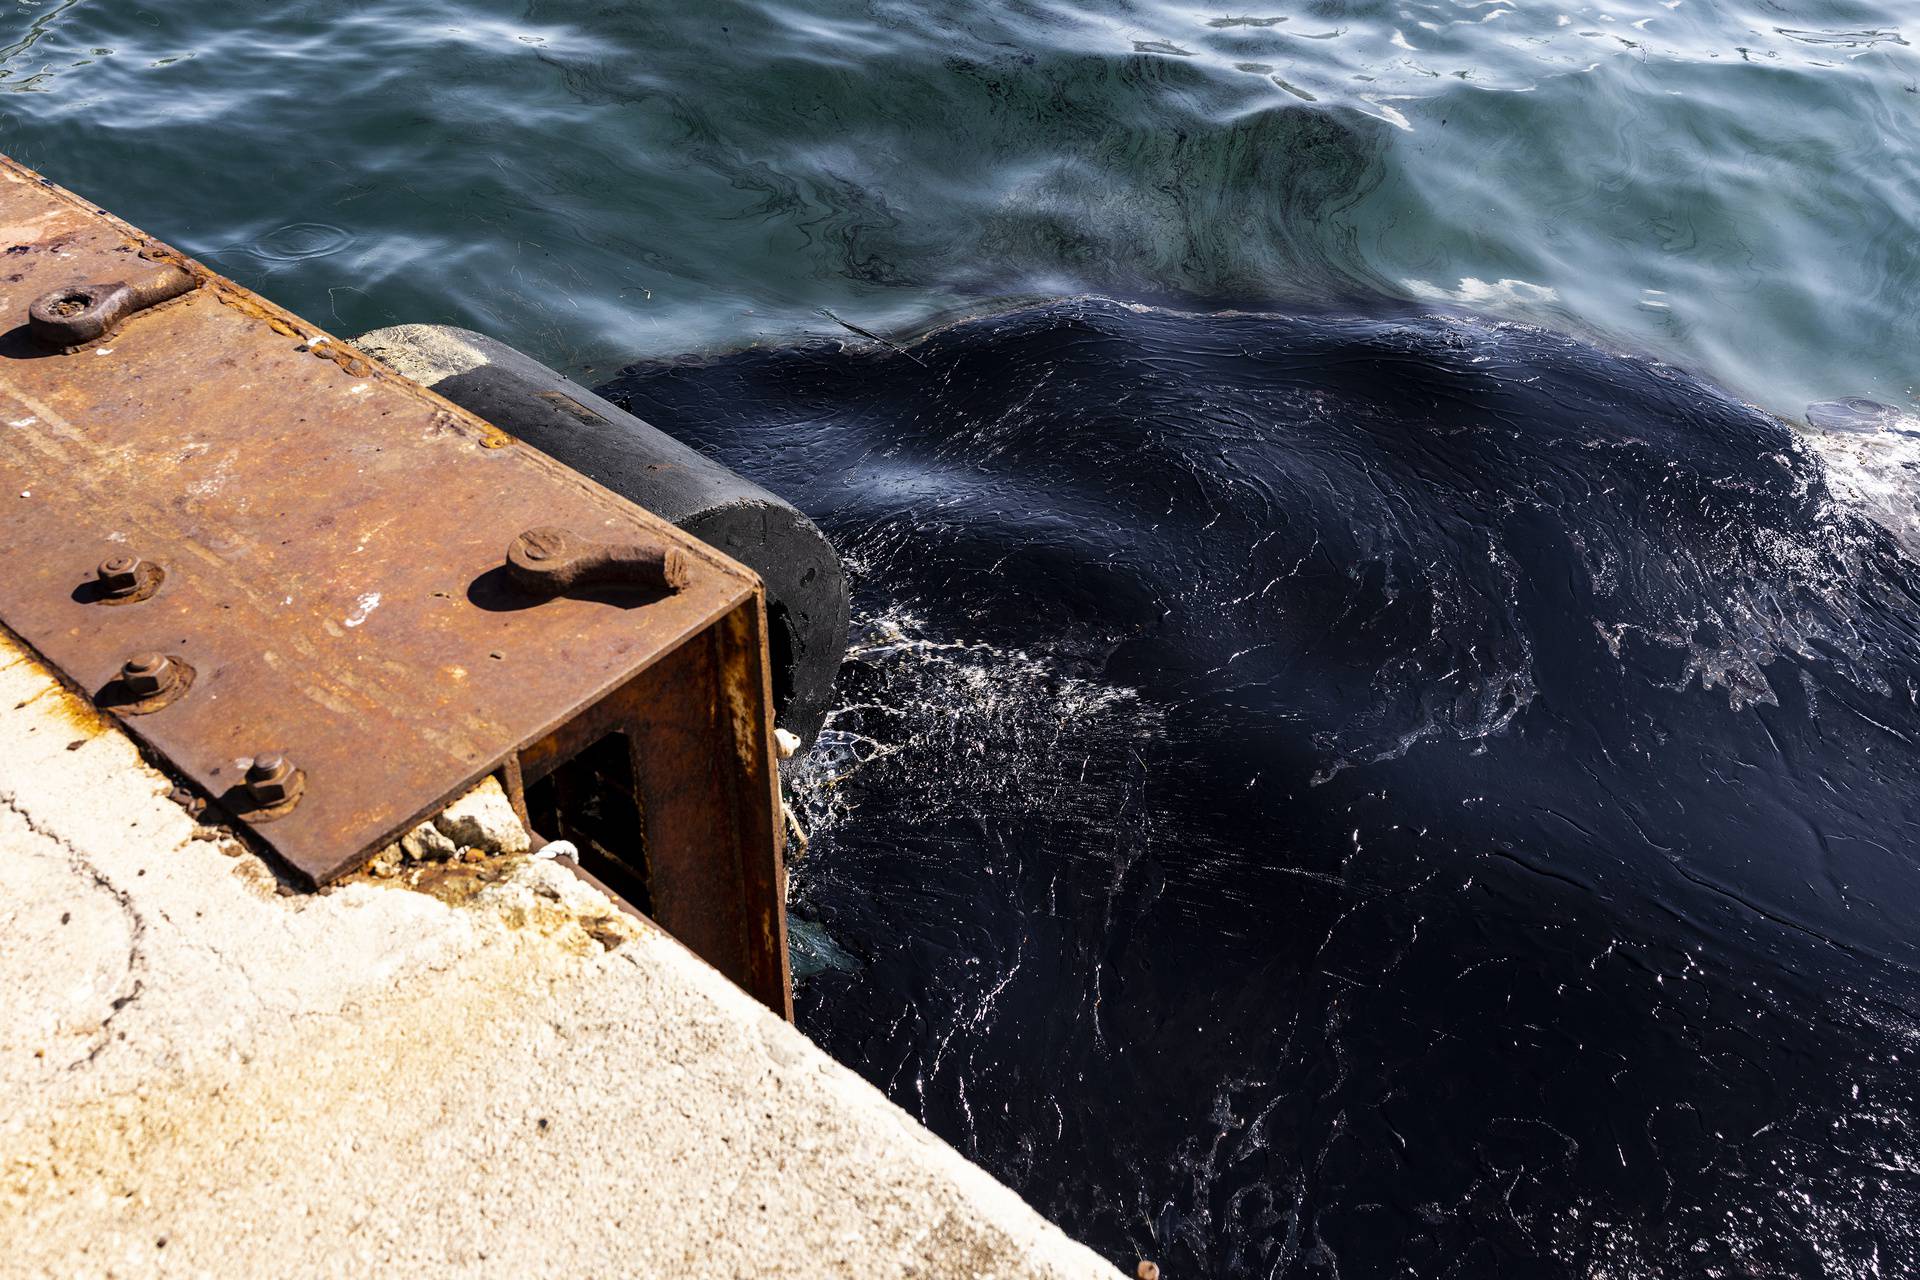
(75, 314)
(313, 622)
(550, 561)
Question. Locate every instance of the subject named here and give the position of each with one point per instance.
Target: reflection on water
(1322, 795)
(295, 242)
(1729, 184)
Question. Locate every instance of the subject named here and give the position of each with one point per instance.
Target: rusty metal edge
(777, 945)
(238, 296)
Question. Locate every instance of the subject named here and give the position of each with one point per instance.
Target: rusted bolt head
(270, 779)
(543, 544)
(119, 575)
(148, 675)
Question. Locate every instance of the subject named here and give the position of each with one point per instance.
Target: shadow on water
(1357, 795)
(1082, 170)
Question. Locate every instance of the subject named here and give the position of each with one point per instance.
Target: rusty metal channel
(334, 601)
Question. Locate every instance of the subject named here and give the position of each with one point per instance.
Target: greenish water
(1731, 185)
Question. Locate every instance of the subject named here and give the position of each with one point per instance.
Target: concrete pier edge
(208, 1075)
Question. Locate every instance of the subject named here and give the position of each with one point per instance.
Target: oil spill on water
(1358, 795)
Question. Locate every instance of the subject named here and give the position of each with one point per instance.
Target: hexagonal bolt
(148, 675)
(271, 779)
(119, 576)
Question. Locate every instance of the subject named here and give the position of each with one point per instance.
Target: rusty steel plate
(318, 549)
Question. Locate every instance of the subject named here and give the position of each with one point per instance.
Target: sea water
(1379, 732)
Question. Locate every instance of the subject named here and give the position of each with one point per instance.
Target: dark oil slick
(1329, 795)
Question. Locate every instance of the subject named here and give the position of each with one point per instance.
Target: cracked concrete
(208, 1076)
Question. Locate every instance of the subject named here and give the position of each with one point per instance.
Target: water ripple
(594, 182)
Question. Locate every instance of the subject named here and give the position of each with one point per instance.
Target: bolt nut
(119, 575)
(271, 779)
(148, 675)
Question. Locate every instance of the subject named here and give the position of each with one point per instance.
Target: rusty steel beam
(334, 601)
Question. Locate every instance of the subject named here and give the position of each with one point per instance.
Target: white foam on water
(970, 718)
(1877, 473)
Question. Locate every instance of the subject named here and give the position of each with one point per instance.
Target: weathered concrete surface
(206, 1077)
